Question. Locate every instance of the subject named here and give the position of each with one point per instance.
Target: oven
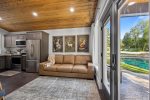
(16, 61)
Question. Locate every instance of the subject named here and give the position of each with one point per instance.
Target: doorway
(125, 55)
(133, 17)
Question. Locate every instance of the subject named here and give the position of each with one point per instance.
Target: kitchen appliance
(16, 61)
(33, 55)
(21, 42)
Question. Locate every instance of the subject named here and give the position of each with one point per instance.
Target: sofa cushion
(58, 59)
(52, 67)
(82, 59)
(65, 68)
(80, 69)
(68, 59)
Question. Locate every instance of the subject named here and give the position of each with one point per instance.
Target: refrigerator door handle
(32, 50)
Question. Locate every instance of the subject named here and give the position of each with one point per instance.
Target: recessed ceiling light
(72, 9)
(131, 3)
(35, 14)
(1, 18)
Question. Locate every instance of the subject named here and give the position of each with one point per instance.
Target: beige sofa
(79, 66)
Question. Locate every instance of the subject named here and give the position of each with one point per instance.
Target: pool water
(142, 63)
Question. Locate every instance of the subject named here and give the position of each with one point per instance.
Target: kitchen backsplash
(15, 50)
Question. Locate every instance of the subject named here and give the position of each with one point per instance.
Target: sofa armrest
(41, 67)
(90, 67)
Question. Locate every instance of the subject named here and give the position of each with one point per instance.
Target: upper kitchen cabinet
(7, 41)
(10, 40)
(13, 41)
(21, 36)
(34, 35)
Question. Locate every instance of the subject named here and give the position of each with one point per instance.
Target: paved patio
(134, 86)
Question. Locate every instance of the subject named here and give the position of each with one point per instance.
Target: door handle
(113, 62)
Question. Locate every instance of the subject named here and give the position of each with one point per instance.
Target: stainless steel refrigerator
(33, 55)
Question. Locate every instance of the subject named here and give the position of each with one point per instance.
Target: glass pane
(134, 50)
(107, 54)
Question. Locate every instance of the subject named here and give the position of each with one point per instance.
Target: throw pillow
(48, 65)
(51, 59)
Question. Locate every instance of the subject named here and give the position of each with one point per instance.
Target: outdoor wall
(66, 32)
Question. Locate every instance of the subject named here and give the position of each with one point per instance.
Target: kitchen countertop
(5, 55)
(11, 55)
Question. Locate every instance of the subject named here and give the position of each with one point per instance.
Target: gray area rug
(56, 88)
(9, 73)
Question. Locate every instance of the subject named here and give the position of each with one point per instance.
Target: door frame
(104, 19)
(112, 12)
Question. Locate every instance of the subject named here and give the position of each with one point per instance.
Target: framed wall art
(57, 43)
(83, 43)
(70, 43)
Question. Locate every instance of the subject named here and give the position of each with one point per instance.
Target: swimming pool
(139, 62)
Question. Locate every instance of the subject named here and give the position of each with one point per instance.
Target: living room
(74, 50)
(44, 42)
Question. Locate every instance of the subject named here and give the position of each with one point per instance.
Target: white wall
(2, 32)
(65, 32)
(97, 40)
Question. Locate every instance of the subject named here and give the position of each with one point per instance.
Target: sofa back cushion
(58, 59)
(82, 59)
(68, 59)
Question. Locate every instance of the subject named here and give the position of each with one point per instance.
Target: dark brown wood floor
(14, 82)
(102, 95)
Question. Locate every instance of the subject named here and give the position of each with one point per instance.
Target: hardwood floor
(102, 95)
(14, 82)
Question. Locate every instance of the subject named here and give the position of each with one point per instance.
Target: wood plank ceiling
(17, 15)
(139, 7)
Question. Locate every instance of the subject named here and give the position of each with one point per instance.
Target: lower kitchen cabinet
(23, 63)
(8, 62)
(2, 62)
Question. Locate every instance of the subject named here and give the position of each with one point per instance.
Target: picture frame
(58, 43)
(70, 43)
(83, 43)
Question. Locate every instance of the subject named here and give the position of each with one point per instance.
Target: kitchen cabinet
(7, 41)
(2, 62)
(10, 40)
(8, 62)
(13, 41)
(34, 36)
(23, 63)
(21, 36)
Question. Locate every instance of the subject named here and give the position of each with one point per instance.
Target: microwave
(21, 42)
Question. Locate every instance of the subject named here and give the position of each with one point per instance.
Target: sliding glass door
(133, 65)
(125, 56)
(106, 55)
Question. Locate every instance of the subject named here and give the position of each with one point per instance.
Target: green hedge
(134, 68)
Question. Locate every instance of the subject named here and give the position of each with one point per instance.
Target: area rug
(9, 73)
(56, 88)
